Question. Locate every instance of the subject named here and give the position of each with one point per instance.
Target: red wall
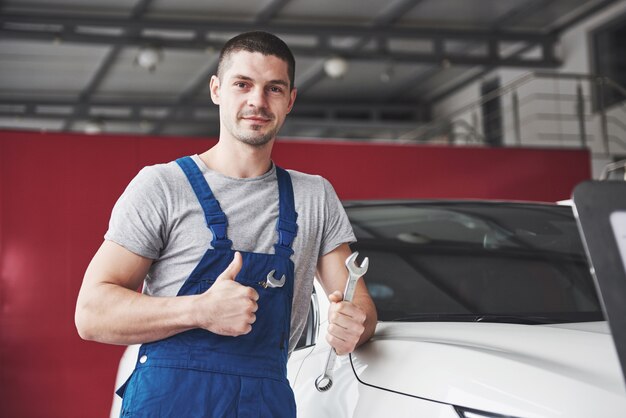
(57, 191)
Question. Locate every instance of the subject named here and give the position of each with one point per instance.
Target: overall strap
(286, 226)
(215, 217)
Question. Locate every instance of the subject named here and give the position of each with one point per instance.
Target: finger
(337, 333)
(348, 326)
(253, 294)
(343, 340)
(246, 330)
(335, 297)
(350, 310)
(252, 307)
(233, 268)
(337, 343)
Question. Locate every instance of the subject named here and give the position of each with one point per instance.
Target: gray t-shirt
(159, 217)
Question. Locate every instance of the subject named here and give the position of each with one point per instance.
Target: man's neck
(238, 160)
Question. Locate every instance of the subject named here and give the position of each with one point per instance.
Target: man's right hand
(110, 310)
(228, 307)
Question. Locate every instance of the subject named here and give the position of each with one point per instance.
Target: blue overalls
(201, 374)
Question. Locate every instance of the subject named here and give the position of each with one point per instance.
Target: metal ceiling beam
(311, 79)
(142, 110)
(512, 17)
(271, 10)
(105, 66)
(294, 120)
(594, 8)
(385, 19)
(517, 14)
(316, 30)
(380, 31)
(417, 78)
(391, 17)
(93, 84)
(395, 12)
(21, 26)
(187, 96)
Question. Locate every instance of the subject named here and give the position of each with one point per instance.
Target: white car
(486, 309)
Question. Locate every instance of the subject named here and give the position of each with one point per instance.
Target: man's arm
(110, 310)
(350, 324)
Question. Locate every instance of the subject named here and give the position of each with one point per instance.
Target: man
(226, 245)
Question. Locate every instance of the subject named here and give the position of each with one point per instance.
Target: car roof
(444, 202)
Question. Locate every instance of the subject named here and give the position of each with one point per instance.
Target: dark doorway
(492, 114)
(609, 59)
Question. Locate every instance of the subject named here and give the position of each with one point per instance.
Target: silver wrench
(270, 281)
(325, 380)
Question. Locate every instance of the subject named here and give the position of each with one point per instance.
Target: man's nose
(257, 97)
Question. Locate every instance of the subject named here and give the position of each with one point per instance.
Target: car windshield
(475, 261)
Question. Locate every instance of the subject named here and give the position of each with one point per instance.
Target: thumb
(335, 297)
(233, 268)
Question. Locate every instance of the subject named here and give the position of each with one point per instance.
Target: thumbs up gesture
(228, 307)
(232, 270)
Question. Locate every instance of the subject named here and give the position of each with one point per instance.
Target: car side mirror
(311, 329)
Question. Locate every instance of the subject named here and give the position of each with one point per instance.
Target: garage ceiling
(72, 64)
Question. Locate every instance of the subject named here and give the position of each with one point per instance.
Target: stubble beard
(253, 135)
(256, 139)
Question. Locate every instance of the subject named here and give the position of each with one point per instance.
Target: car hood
(519, 370)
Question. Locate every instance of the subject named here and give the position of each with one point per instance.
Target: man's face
(254, 97)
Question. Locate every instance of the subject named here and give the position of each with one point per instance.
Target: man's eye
(240, 85)
(276, 89)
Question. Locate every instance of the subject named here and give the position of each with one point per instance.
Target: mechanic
(226, 245)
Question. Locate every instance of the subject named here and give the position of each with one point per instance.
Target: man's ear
(292, 99)
(214, 86)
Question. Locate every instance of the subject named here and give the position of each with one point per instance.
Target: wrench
(270, 281)
(325, 380)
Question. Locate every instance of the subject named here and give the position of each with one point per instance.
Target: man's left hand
(345, 324)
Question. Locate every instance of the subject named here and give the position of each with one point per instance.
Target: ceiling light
(336, 67)
(93, 127)
(148, 57)
(387, 75)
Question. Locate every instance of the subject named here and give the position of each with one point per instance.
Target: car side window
(309, 335)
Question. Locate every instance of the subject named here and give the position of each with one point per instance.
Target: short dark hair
(263, 42)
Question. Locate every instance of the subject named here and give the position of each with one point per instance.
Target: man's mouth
(256, 118)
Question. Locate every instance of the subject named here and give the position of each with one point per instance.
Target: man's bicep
(331, 269)
(105, 303)
(114, 264)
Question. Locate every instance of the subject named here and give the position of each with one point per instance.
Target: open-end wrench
(270, 281)
(325, 380)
